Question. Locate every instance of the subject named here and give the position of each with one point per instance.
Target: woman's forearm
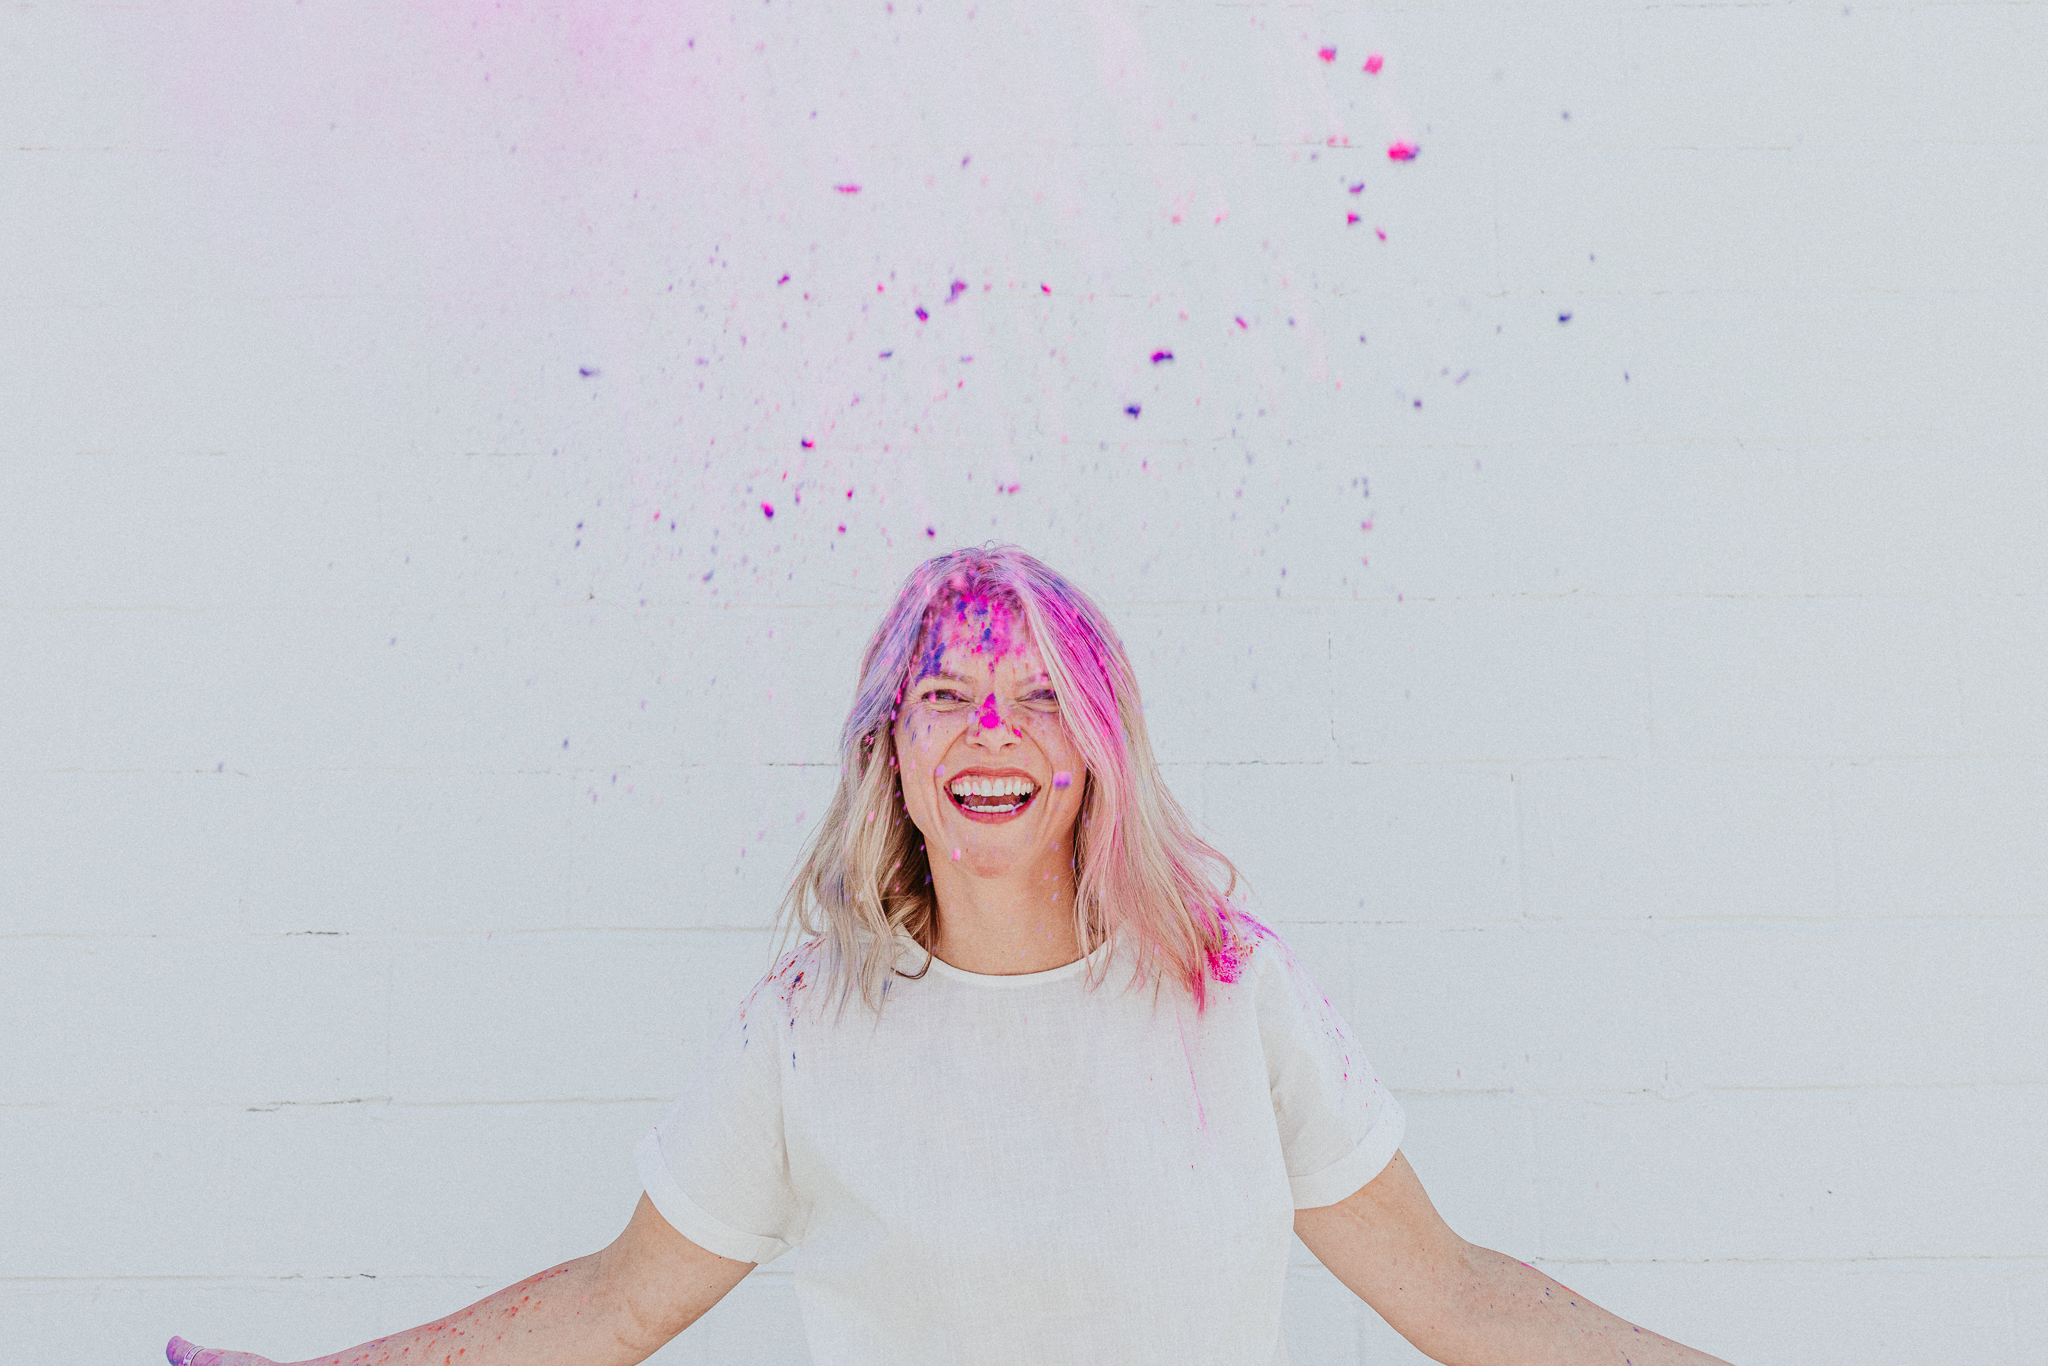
(1504, 1311)
(566, 1313)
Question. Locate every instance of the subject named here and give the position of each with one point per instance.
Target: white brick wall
(406, 735)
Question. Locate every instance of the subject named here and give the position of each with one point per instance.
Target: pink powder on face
(1373, 63)
(1402, 151)
(987, 717)
(1062, 779)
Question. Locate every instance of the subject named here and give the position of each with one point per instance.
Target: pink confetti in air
(768, 511)
(1062, 779)
(1158, 356)
(1402, 151)
(1242, 324)
(1045, 289)
(987, 717)
(922, 316)
(1382, 233)
(808, 443)
(848, 188)
(1328, 54)
(1359, 188)
(959, 288)
(783, 281)
(1373, 63)
(1350, 218)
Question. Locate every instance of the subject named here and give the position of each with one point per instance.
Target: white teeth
(992, 787)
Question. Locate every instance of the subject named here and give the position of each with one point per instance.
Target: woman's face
(990, 775)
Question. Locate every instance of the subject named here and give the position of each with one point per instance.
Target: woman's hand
(182, 1353)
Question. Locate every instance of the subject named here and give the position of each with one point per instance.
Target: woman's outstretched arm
(612, 1308)
(1461, 1304)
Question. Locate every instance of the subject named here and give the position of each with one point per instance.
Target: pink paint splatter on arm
(1373, 63)
(1402, 151)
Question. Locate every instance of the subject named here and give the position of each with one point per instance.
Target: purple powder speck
(586, 372)
(921, 314)
(959, 288)
(1564, 317)
(1063, 779)
(1133, 410)
(1402, 151)
(768, 511)
(1158, 356)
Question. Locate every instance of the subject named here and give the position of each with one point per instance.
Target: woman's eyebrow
(950, 677)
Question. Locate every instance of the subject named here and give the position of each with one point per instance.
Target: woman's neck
(1007, 925)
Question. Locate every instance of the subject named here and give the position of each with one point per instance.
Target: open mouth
(991, 798)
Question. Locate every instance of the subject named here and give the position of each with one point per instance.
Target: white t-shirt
(1016, 1169)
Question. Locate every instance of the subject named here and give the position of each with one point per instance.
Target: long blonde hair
(1144, 880)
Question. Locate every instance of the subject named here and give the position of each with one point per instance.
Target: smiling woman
(1032, 1086)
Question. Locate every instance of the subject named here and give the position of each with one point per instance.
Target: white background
(1635, 720)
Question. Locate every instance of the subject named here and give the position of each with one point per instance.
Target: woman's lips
(1002, 810)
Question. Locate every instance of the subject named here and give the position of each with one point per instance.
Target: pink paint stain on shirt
(848, 188)
(988, 718)
(1373, 63)
(1402, 151)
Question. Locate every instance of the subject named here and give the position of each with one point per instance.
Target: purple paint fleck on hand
(1133, 410)
(921, 314)
(1373, 63)
(988, 718)
(1062, 779)
(959, 288)
(1158, 356)
(768, 511)
(1402, 151)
